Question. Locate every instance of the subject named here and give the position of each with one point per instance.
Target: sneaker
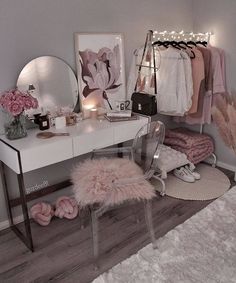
(183, 174)
(195, 174)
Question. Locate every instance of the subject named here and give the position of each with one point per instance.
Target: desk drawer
(9, 156)
(94, 140)
(46, 154)
(128, 130)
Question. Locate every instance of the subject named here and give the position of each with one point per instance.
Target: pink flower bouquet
(15, 102)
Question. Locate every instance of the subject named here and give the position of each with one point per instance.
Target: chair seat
(94, 182)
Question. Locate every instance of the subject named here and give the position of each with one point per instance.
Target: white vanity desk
(31, 153)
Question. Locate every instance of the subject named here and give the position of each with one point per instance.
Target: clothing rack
(175, 38)
(179, 40)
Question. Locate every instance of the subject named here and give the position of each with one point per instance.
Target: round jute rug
(213, 184)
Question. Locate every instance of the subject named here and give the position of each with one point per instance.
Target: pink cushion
(93, 182)
(66, 207)
(42, 213)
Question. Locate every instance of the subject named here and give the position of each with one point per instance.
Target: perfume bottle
(43, 122)
(36, 118)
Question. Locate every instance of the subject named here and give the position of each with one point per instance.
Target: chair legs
(94, 219)
(135, 213)
(163, 190)
(148, 218)
(95, 214)
(214, 160)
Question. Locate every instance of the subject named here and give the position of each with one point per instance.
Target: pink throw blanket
(196, 146)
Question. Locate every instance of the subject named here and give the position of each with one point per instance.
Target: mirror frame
(76, 98)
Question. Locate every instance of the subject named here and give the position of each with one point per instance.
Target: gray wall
(32, 28)
(219, 17)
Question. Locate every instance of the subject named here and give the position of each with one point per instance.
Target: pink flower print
(100, 73)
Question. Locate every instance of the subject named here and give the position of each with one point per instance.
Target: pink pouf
(66, 207)
(42, 213)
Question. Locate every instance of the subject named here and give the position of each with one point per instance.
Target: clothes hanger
(180, 43)
(161, 43)
(204, 43)
(192, 43)
(175, 44)
(179, 46)
(167, 43)
(192, 54)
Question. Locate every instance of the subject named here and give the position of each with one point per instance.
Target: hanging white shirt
(174, 83)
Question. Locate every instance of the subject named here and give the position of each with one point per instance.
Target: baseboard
(226, 166)
(223, 165)
(6, 224)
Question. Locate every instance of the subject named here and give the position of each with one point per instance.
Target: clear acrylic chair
(129, 186)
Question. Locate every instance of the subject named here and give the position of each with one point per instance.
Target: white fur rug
(201, 250)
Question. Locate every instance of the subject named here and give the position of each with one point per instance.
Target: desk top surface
(82, 128)
(84, 137)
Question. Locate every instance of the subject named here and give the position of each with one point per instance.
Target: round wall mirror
(52, 82)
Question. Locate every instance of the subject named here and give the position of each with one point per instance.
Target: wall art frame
(100, 70)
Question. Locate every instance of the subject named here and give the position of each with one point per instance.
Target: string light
(165, 35)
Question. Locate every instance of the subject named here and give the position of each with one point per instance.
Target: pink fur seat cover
(66, 207)
(42, 213)
(93, 182)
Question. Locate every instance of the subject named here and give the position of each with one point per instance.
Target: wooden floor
(64, 251)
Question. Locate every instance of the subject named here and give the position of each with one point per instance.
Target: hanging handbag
(144, 103)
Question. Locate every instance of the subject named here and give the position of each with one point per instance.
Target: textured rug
(201, 250)
(213, 184)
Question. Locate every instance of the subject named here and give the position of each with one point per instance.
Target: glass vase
(15, 127)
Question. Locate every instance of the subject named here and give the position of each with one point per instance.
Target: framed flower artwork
(100, 69)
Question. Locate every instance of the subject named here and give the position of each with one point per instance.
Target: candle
(86, 110)
(93, 113)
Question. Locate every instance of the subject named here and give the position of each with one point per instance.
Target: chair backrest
(145, 145)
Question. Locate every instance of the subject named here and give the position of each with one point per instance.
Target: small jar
(70, 119)
(43, 122)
